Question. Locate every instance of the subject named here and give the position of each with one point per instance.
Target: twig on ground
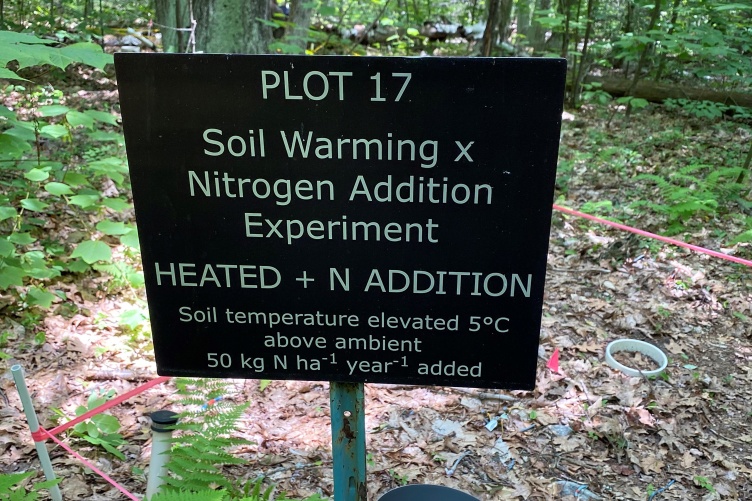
(450, 471)
(484, 395)
(711, 430)
(128, 375)
(297, 466)
(656, 493)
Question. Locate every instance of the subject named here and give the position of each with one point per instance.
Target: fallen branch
(126, 375)
(659, 92)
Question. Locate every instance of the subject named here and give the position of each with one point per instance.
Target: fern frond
(204, 495)
(691, 169)
(203, 438)
(684, 180)
(742, 237)
(658, 180)
(198, 481)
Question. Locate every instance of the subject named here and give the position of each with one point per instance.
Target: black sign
(344, 218)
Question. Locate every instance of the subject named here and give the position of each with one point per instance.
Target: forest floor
(587, 431)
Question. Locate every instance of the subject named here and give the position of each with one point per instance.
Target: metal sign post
(348, 441)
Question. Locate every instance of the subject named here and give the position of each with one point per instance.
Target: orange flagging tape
(644, 233)
(89, 465)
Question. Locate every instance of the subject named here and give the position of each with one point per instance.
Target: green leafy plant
(745, 236)
(636, 103)
(250, 492)
(134, 323)
(100, 429)
(56, 160)
(617, 441)
(13, 487)
(28, 50)
(204, 495)
(650, 490)
(603, 207)
(708, 110)
(740, 316)
(399, 479)
(703, 482)
(550, 18)
(593, 93)
(629, 103)
(5, 336)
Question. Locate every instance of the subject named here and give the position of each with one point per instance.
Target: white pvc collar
(633, 345)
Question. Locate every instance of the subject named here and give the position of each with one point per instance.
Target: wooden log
(367, 35)
(658, 91)
(441, 31)
(128, 375)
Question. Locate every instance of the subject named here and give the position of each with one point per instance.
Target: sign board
(344, 218)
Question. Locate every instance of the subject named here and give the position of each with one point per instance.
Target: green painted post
(348, 441)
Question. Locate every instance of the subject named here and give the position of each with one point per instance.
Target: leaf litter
(586, 432)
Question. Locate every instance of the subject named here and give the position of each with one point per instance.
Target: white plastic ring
(633, 345)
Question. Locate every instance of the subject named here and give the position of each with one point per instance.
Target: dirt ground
(586, 425)
(587, 431)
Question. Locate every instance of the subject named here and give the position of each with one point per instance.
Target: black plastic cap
(163, 420)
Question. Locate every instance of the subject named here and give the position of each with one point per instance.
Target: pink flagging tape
(89, 465)
(644, 233)
(39, 436)
(110, 403)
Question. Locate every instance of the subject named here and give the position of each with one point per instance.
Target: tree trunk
(171, 15)
(20, 12)
(402, 6)
(628, 19)
(300, 19)
(746, 168)
(505, 19)
(232, 26)
(473, 12)
(524, 19)
(88, 9)
(576, 45)
(538, 33)
(416, 9)
(674, 17)
(489, 35)
(580, 73)
(101, 25)
(654, 14)
(567, 7)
